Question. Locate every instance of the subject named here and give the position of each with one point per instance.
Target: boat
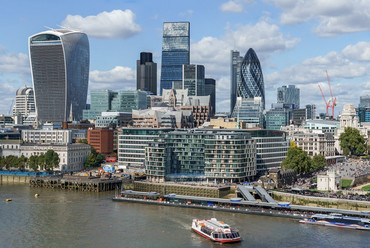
(338, 220)
(215, 230)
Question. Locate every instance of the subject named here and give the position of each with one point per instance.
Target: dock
(76, 183)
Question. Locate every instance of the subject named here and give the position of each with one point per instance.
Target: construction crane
(332, 101)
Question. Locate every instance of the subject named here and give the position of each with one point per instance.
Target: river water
(78, 219)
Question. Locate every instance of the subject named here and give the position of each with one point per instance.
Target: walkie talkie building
(251, 82)
(60, 74)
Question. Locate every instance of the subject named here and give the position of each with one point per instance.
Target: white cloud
(335, 17)
(359, 52)
(114, 24)
(214, 53)
(119, 78)
(232, 6)
(14, 63)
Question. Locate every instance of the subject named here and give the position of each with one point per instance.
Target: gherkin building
(250, 83)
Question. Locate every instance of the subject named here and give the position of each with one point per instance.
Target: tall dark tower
(236, 61)
(146, 73)
(210, 89)
(175, 52)
(251, 82)
(60, 74)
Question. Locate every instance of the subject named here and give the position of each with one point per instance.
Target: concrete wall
(14, 179)
(321, 201)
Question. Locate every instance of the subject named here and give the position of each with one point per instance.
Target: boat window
(215, 235)
(237, 234)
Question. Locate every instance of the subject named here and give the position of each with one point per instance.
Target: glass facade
(289, 95)
(365, 101)
(277, 118)
(60, 72)
(310, 111)
(193, 79)
(210, 90)
(236, 61)
(251, 82)
(146, 73)
(175, 52)
(249, 110)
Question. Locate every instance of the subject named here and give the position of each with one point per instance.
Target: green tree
(90, 161)
(22, 162)
(55, 160)
(51, 159)
(41, 161)
(352, 140)
(83, 141)
(33, 162)
(298, 160)
(318, 162)
(99, 160)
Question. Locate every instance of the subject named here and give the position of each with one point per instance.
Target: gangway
(245, 193)
(264, 195)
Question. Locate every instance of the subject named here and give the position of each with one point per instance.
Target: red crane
(332, 102)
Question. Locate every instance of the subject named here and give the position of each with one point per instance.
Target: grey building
(60, 73)
(289, 95)
(310, 111)
(175, 52)
(249, 110)
(146, 73)
(24, 102)
(193, 79)
(236, 61)
(210, 90)
(278, 116)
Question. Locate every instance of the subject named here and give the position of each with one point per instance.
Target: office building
(250, 111)
(277, 117)
(60, 74)
(47, 136)
(210, 90)
(24, 102)
(146, 73)
(365, 101)
(289, 95)
(310, 111)
(251, 82)
(175, 52)
(235, 64)
(193, 79)
(101, 140)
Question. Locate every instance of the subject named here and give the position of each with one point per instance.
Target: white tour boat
(215, 230)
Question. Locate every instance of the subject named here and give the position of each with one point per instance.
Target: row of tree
(47, 161)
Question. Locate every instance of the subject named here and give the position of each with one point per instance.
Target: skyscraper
(365, 101)
(236, 61)
(60, 73)
(251, 82)
(210, 90)
(193, 79)
(146, 73)
(289, 95)
(175, 52)
(24, 102)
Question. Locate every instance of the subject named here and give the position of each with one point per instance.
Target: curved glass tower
(60, 74)
(251, 83)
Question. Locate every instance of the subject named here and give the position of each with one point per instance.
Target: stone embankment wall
(14, 179)
(321, 201)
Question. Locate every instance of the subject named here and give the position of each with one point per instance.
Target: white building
(47, 136)
(71, 156)
(328, 182)
(24, 103)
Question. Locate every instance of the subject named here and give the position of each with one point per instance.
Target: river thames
(78, 219)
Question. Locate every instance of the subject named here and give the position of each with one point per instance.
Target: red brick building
(101, 140)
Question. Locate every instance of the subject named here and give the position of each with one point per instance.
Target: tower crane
(332, 102)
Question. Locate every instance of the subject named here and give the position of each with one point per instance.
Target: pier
(74, 183)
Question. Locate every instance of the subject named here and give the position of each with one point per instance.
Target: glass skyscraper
(251, 83)
(60, 74)
(146, 73)
(175, 52)
(288, 95)
(236, 61)
(193, 79)
(210, 90)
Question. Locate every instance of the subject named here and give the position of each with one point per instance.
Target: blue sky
(296, 41)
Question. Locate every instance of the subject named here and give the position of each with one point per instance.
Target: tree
(22, 162)
(51, 159)
(298, 160)
(99, 159)
(318, 162)
(55, 160)
(83, 141)
(33, 162)
(41, 161)
(352, 140)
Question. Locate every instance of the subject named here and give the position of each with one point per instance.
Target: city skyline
(295, 43)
